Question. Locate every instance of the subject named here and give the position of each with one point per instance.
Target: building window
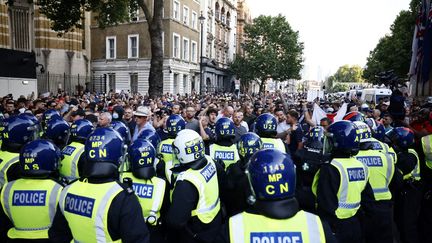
(133, 43)
(185, 83)
(176, 10)
(176, 45)
(176, 83)
(194, 20)
(134, 83)
(112, 81)
(194, 51)
(163, 42)
(185, 15)
(111, 47)
(20, 26)
(185, 49)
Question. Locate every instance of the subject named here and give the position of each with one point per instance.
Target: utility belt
(411, 182)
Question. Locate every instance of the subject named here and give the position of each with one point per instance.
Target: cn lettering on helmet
(147, 160)
(276, 237)
(102, 153)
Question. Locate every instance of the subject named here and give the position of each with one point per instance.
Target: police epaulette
(127, 185)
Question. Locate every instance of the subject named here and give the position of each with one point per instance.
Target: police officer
(311, 157)
(151, 136)
(237, 183)
(57, 130)
(426, 177)
(18, 130)
(275, 216)
(194, 215)
(124, 131)
(46, 116)
(73, 159)
(224, 149)
(265, 127)
(30, 202)
(354, 116)
(341, 186)
(151, 190)
(98, 208)
(378, 222)
(174, 124)
(408, 200)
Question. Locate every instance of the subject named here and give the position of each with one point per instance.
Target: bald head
(228, 111)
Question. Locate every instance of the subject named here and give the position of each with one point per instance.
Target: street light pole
(201, 20)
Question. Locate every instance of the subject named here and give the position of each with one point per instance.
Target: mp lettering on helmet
(276, 237)
(371, 161)
(269, 125)
(142, 190)
(29, 158)
(356, 174)
(96, 151)
(79, 205)
(29, 198)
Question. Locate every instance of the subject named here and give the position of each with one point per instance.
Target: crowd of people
(214, 168)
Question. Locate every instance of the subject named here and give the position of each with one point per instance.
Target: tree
(348, 74)
(67, 15)
(272, 49)
(393, 51)
(339, 87)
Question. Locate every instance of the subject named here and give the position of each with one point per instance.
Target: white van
(374, 95)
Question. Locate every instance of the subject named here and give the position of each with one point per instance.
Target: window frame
(107, 47)
(130, 45)
(174, 10)
(185, 19)
(186, 51)
(194, 56)
(178, 53)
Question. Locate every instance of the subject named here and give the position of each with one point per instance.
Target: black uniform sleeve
(14, 172)
(329, 236)
(184, 200)
(397, 182)
(367, 198)
(60, 231)
(125, 220)
(5, 224)
(81, 163)
(327, 189)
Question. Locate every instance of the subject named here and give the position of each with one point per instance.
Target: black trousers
(347, 230)
(377, 224)
(406, 212)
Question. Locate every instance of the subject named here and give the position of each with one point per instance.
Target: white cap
(142, 111)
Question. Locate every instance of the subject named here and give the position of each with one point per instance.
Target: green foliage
(272, 49)
(393, 51)
(348, 74)
(67, 15)
(339, 87)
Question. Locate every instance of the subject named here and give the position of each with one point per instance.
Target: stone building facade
(220, 41)
(24, 28)
(121, 54)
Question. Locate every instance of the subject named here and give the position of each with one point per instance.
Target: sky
(334, 32)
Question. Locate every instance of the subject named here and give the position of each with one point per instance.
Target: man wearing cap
(142, 115)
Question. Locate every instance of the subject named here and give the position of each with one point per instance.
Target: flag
(418, 40)
(427, 46)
